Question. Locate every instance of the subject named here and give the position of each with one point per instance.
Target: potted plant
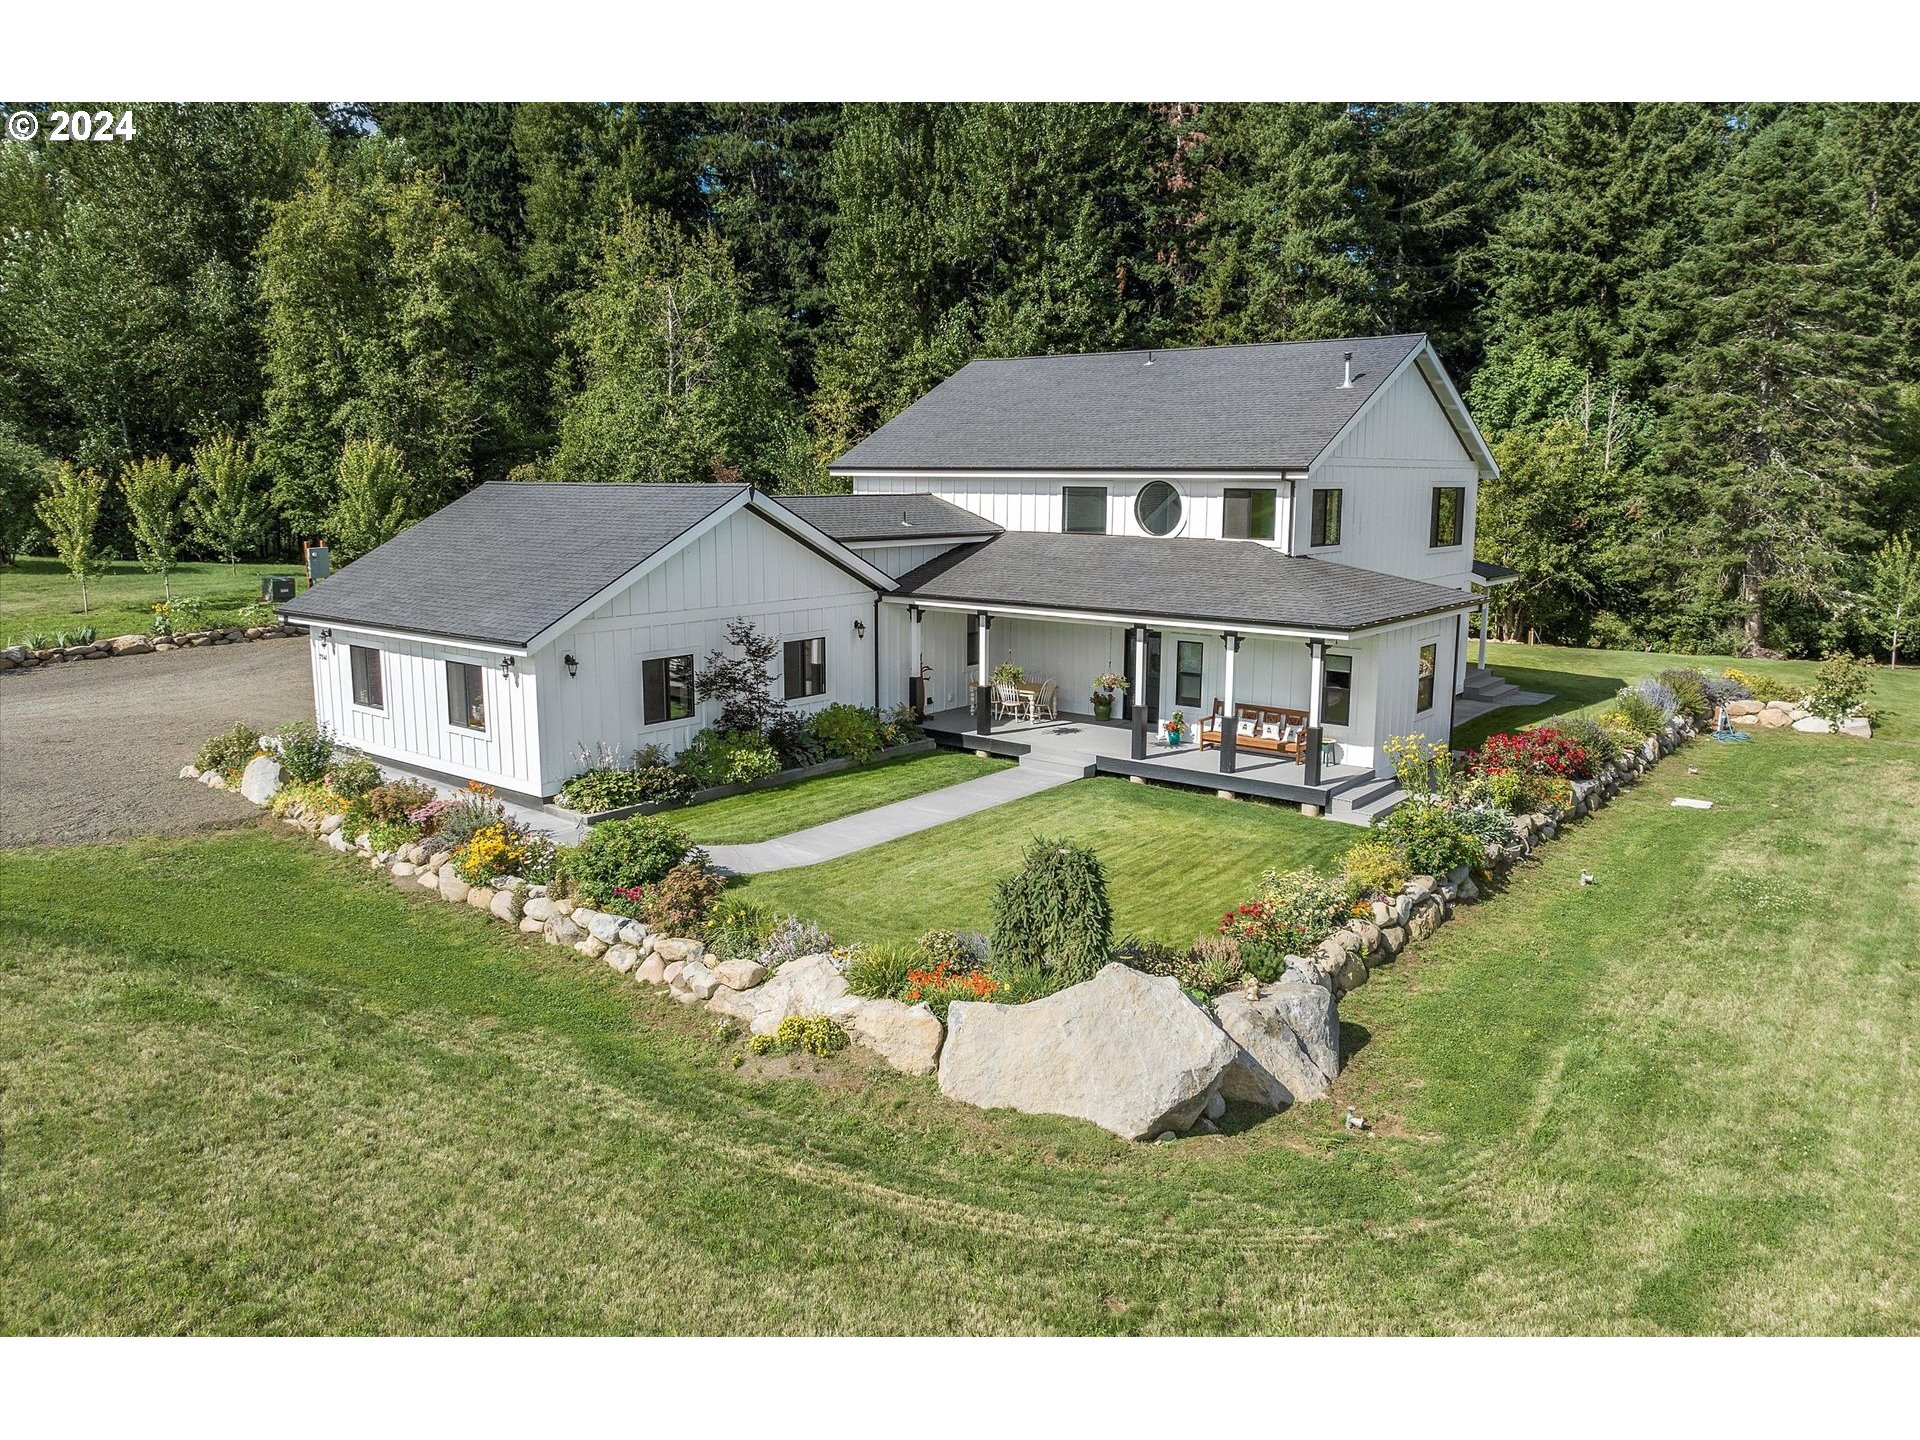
(1008, 673)
(1176, 728)
(1105, 687)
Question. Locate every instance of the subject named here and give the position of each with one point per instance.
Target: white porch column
(1460, 653)
(1137, 713)
(1483, 632)
(917, 685)
(1229, 711)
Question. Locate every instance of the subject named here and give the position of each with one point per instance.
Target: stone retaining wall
(19, 657)
(1126, 1051)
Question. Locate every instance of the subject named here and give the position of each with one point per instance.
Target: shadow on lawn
(1569, 690)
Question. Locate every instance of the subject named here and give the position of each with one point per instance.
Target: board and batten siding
(412, 727)
(896, 559)
(744, 567)
(1035, 502)
(1396, 689)
(1400, 448)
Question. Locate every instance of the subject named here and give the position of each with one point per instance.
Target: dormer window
(1248, 514)
(1157, 507)
(1084, 509)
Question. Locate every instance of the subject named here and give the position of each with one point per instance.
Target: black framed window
(806, 667)
(1429, 658)
(1084, 509)
(1336, 697)
(367, 687)
(466, 696)
(1449, 516)
(1326, 517)
(1157, 507)
(666, 689)
(1249, 514)
(1189, 656)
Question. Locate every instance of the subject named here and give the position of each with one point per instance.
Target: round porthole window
(1158, 508)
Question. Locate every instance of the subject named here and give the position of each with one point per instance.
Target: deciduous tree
(372, 499)
(69, 511)
(228, 509)
(152, 489)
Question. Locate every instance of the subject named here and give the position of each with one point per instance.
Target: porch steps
(1072, 764)
(1488, 689)
(1358, 802)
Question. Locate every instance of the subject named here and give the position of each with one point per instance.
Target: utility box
(276, 589)
(317, 563)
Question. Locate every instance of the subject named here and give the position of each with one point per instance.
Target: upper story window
(466, 696)
(1249, 514)
(367, 689)
(1157, 508)
(1449, 523)
(1326, 517)
(1084, 509)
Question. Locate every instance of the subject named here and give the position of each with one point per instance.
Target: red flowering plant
(944, 984)
(1294, 912)
(1545, 751)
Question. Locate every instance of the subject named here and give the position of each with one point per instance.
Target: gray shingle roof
(886, 517)
(1215, 582)
(505, 561)
(1232, 407)
(1493, 574)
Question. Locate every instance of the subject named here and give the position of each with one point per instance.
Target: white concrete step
(1359, 807)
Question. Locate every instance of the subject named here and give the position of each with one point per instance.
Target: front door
(1149, 693)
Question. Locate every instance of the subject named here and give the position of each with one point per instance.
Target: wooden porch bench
(1263, 716)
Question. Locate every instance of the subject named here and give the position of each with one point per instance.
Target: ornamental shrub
(1291, 914)
(352, 777)
(1601, 747)
(306, 751)
(1641, 715)
(720, 757)
(1488, 824)
(1422, 766)
(792, 938)
(1762, 687)
(1657, 695)
(1689, 694)
(813, 1034)
(793, 741)
(738, 929)
(627, 854)
(879, 972)
(1429, 838)
(615, 787)
(679, 903)
(1208, 967)
(849, 732)
(395, 801)
(1373, 867)
(1543, 751)
(1839, 686)
(227, 753)
(900, 726)
(1722, 689)
(962, 950)
(493, 849)
(1053, 912)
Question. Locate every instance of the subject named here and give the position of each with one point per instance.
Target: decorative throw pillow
(1270, 732)
(1293, 734)
(1248, 727)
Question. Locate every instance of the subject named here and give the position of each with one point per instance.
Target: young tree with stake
(1892, 598)
(153, 489)
(70, 511)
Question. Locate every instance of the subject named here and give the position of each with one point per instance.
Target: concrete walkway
(890, 822)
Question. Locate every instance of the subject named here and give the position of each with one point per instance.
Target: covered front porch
(1105, 747)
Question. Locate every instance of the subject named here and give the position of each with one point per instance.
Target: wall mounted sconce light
(859, 629)
(506, 663)
(573, 665)
(327, 635)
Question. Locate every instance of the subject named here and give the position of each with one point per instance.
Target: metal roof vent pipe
(1347, 382)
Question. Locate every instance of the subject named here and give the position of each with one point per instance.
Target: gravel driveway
(91, 750)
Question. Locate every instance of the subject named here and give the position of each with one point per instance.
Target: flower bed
(767, 782)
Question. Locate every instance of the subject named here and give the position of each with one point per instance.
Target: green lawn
(38, 596)
(765, 814)
(246, 1086)
(1175, 860)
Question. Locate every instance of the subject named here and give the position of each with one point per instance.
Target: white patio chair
(1047, 701)
(1007, 700)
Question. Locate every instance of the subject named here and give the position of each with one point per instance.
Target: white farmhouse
(1273, 541)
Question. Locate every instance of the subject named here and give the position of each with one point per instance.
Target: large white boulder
(1288, 1043)
(807, 986)
(907, 1037)
(1128, 1052)
(260, 781)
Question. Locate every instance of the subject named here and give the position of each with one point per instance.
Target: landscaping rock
(1745, 707)
(591, 948)
(260, 782)
(400, 869)
(1126, 1051)
(539, 908)
(1814, 725)
(1273, 1066)
(1367, 933)
(1382, 913)
(633, 933)
(671, 972)
(452, 888)
(740, 974)
(1857, 727)
(1469, 892)
(530, 926)
(562, 931)
(480, 897)
(730, 1003)
(338, 841)
(1425, 921)
(697, 980)
(1349, 975)
(603, 927)
(506, 905)
(130, 645)
(1216, 1107)
(1771, 719)
(652, 971)
(187, 772)
(907, 1037)
(670, 948)
(622, 958)
(211, 779)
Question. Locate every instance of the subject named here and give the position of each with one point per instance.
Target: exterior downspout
(876, 650)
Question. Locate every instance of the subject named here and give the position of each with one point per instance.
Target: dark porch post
(1137, 706)
(983, 692)
(1229, 711)
(916, 679)
(1316, 686)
